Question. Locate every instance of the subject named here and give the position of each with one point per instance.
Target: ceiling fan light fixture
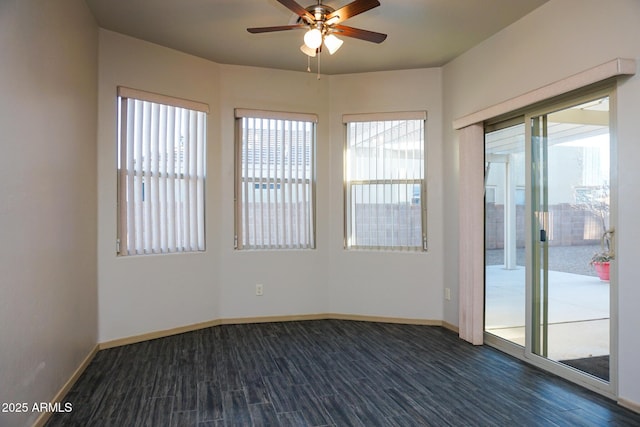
(332, 43)
(313, 38)
(308, 51)
(320, 22)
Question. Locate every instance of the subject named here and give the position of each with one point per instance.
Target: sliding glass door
(570, 188)
(505, 261)
(549, 238)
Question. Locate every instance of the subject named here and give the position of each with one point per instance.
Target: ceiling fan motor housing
(319, 11)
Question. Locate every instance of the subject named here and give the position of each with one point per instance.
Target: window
(275, 179)
(161, 173)
(385, 188)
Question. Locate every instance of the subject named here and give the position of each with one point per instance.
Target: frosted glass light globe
(313, 38)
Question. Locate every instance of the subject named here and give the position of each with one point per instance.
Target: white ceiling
(421, 33)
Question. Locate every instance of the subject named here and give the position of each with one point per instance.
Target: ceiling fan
(323, 24)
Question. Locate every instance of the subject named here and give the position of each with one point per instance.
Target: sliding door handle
(543, 235)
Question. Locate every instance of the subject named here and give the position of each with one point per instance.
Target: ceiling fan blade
(352, 9)
(277, 28)
(370, 36)
(293, 6)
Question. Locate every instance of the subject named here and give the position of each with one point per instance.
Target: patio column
(510, 262)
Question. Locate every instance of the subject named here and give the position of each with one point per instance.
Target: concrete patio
(578, 311)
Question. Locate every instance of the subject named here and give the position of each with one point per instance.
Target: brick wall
(569, 226)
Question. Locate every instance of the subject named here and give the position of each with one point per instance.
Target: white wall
(294, 281)
(389, 284)
(150, 293)
(557, 40)
(144, 294)
(48, 83)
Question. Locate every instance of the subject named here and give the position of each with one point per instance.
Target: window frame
(172, 237)
(271, 183)
(349, 183)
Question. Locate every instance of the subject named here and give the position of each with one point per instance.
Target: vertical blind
(161, 174)
(384, 185)
(471, 234)
(275, 178)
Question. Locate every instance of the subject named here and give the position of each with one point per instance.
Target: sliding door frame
(610, 388)
(490, 339)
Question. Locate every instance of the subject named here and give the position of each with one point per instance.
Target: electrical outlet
(447, 294)
(259, 289)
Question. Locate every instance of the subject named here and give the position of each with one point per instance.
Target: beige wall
(561, 38)
(48, 82)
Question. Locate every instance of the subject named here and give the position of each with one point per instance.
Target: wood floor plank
(136, 410)
(291, 419)
(235, 408)
(263, 415)
(209, 401)
(341, 414)
(256, 392)
(325, 373)
(159, 412)
(185, 394)
(184, 418)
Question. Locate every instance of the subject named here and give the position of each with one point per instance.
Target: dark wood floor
(325, 373)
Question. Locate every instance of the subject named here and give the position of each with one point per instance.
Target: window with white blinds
(275, 179)
(384, 181)
(161, 173)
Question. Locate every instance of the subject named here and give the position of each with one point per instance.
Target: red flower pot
(602, 268)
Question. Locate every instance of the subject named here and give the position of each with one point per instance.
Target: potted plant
(601, 262)
(596, 201)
